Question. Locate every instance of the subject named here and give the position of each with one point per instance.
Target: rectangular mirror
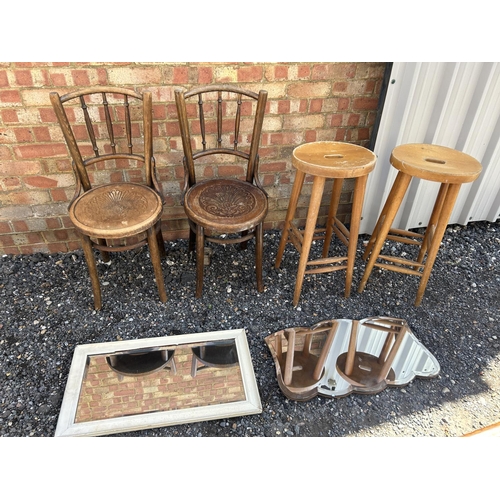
(130, 385)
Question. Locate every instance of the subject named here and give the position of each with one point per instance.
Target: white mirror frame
(66, 425)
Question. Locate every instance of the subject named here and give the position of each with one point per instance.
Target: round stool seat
(333, 159)
(429, 162)
(116, 210)
(326, 160)
(435, 163)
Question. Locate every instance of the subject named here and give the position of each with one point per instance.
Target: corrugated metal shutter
(451, 104)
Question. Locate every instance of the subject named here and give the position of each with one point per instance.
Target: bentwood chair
(223, 123)
(117, 204)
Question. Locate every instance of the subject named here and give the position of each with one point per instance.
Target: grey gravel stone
(47, 310)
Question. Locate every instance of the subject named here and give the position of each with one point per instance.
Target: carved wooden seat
(222, 205)
(100, 126)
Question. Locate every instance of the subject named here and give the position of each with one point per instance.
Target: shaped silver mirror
(335, 358)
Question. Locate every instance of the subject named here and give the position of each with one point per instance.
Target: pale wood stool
(433, 163)
(326, 160)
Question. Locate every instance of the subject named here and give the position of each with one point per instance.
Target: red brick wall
(105, 395)
(306, 102)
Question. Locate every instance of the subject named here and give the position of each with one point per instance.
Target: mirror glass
(130, 385)
(338, 357)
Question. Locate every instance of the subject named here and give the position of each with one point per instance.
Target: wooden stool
(430, 162)
(326, 160)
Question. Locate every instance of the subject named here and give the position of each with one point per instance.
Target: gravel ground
(46, 304)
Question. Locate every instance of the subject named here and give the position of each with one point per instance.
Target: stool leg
(332, 212)
(383, 226)
(357, 207)
(292, 206)
(312, 216)
(444, 217)
(431, 227)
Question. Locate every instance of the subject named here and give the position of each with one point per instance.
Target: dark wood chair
(101, 127)
(222, 209)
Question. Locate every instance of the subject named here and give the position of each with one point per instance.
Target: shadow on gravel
(47, 310)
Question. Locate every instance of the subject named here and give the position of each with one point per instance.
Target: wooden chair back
(102, 124)
(220, 119)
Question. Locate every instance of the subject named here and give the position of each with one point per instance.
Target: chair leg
(104, 255)
(200, 258)
(92, 267)
(192, 240)
(159, 239)
(156, 261)
(259, 245)
(244, 244)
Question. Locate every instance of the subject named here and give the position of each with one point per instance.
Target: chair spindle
(88, 123)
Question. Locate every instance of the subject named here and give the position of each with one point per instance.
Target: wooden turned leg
(290, 352)
(200, 257)
(159, 239)
(387, 216)
(259, 244)
(192, 240)
(351, 351)
(383, 215)
(312, 216)
(386, 361)
(104, 255)
(444, 217)
(318, 371)
(156, 261)
(332, 212)
(431, 227)
(94, 279)
(292, 206)
(357, 207)
(244, 244)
